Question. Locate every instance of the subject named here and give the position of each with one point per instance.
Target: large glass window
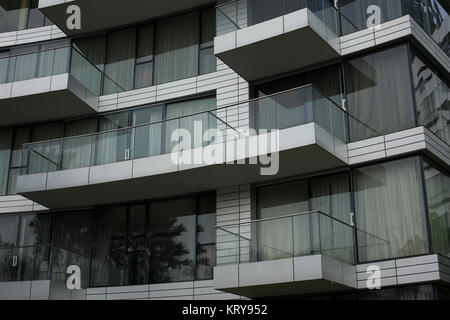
(437, 185)
(21, 14)
(432, 97)
(432, 16)
(167, 50)
(177, 48)
(159, 241)
(282, 238)
(378, 95)
(390, 211)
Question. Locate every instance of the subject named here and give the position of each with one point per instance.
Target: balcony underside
(305, 148)
(44, 99)
(105, 14)
(276, 46)
(293, 276)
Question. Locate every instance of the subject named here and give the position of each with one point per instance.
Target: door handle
(15, 260)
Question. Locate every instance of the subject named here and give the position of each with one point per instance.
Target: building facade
(197, 149)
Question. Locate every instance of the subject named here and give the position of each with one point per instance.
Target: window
(18, 15)
(156, 242)
(285, 237)
(167, 50)
(432, 97)
(376, 87)
(120, 60)
(432, 16)
(390, 210)
(437, 185)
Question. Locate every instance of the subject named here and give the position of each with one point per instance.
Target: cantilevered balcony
(46, 85)
(304, 253)
(257, 45)
(105, 14)
(142, 162)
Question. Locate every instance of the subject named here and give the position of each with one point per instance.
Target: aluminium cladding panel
(159, 176)
(278, 45)
(13, 38)
(25, 290)
(418, 139)
(45, 99)
(106, 14)
(299, 275)
(403, 271)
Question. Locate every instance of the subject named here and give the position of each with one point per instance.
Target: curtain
(283, 237)
(23, 66)
(144, 61)
(112, 146)
(109, 247)
(4, 62)
(185, 108)
(177, 44)
(147, 140)
(376, 87)
(71, 237)
(120, 61)
(5, 153)
(438, 199)
(390, 210)
(77, 152)
(331, 195)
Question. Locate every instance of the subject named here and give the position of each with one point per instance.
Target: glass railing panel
(227, 18)
(85, 72)
(111, 146)
(275, 239)
(235, 15)
(77, 152)
(286, 237)
(287, 109)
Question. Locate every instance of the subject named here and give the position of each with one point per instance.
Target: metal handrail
(189, 115)
(283, 217)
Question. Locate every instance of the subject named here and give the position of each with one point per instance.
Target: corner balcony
(256, 47)
(47, 85)
(304, 253)
(106, 14)
(146, 161)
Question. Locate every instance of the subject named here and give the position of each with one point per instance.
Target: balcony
(304, 253)
(39, 272)
(48, 84)
(257, 46)
(146, 161)
(106, 14)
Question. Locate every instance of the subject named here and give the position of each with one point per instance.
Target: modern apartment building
(198, 149)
